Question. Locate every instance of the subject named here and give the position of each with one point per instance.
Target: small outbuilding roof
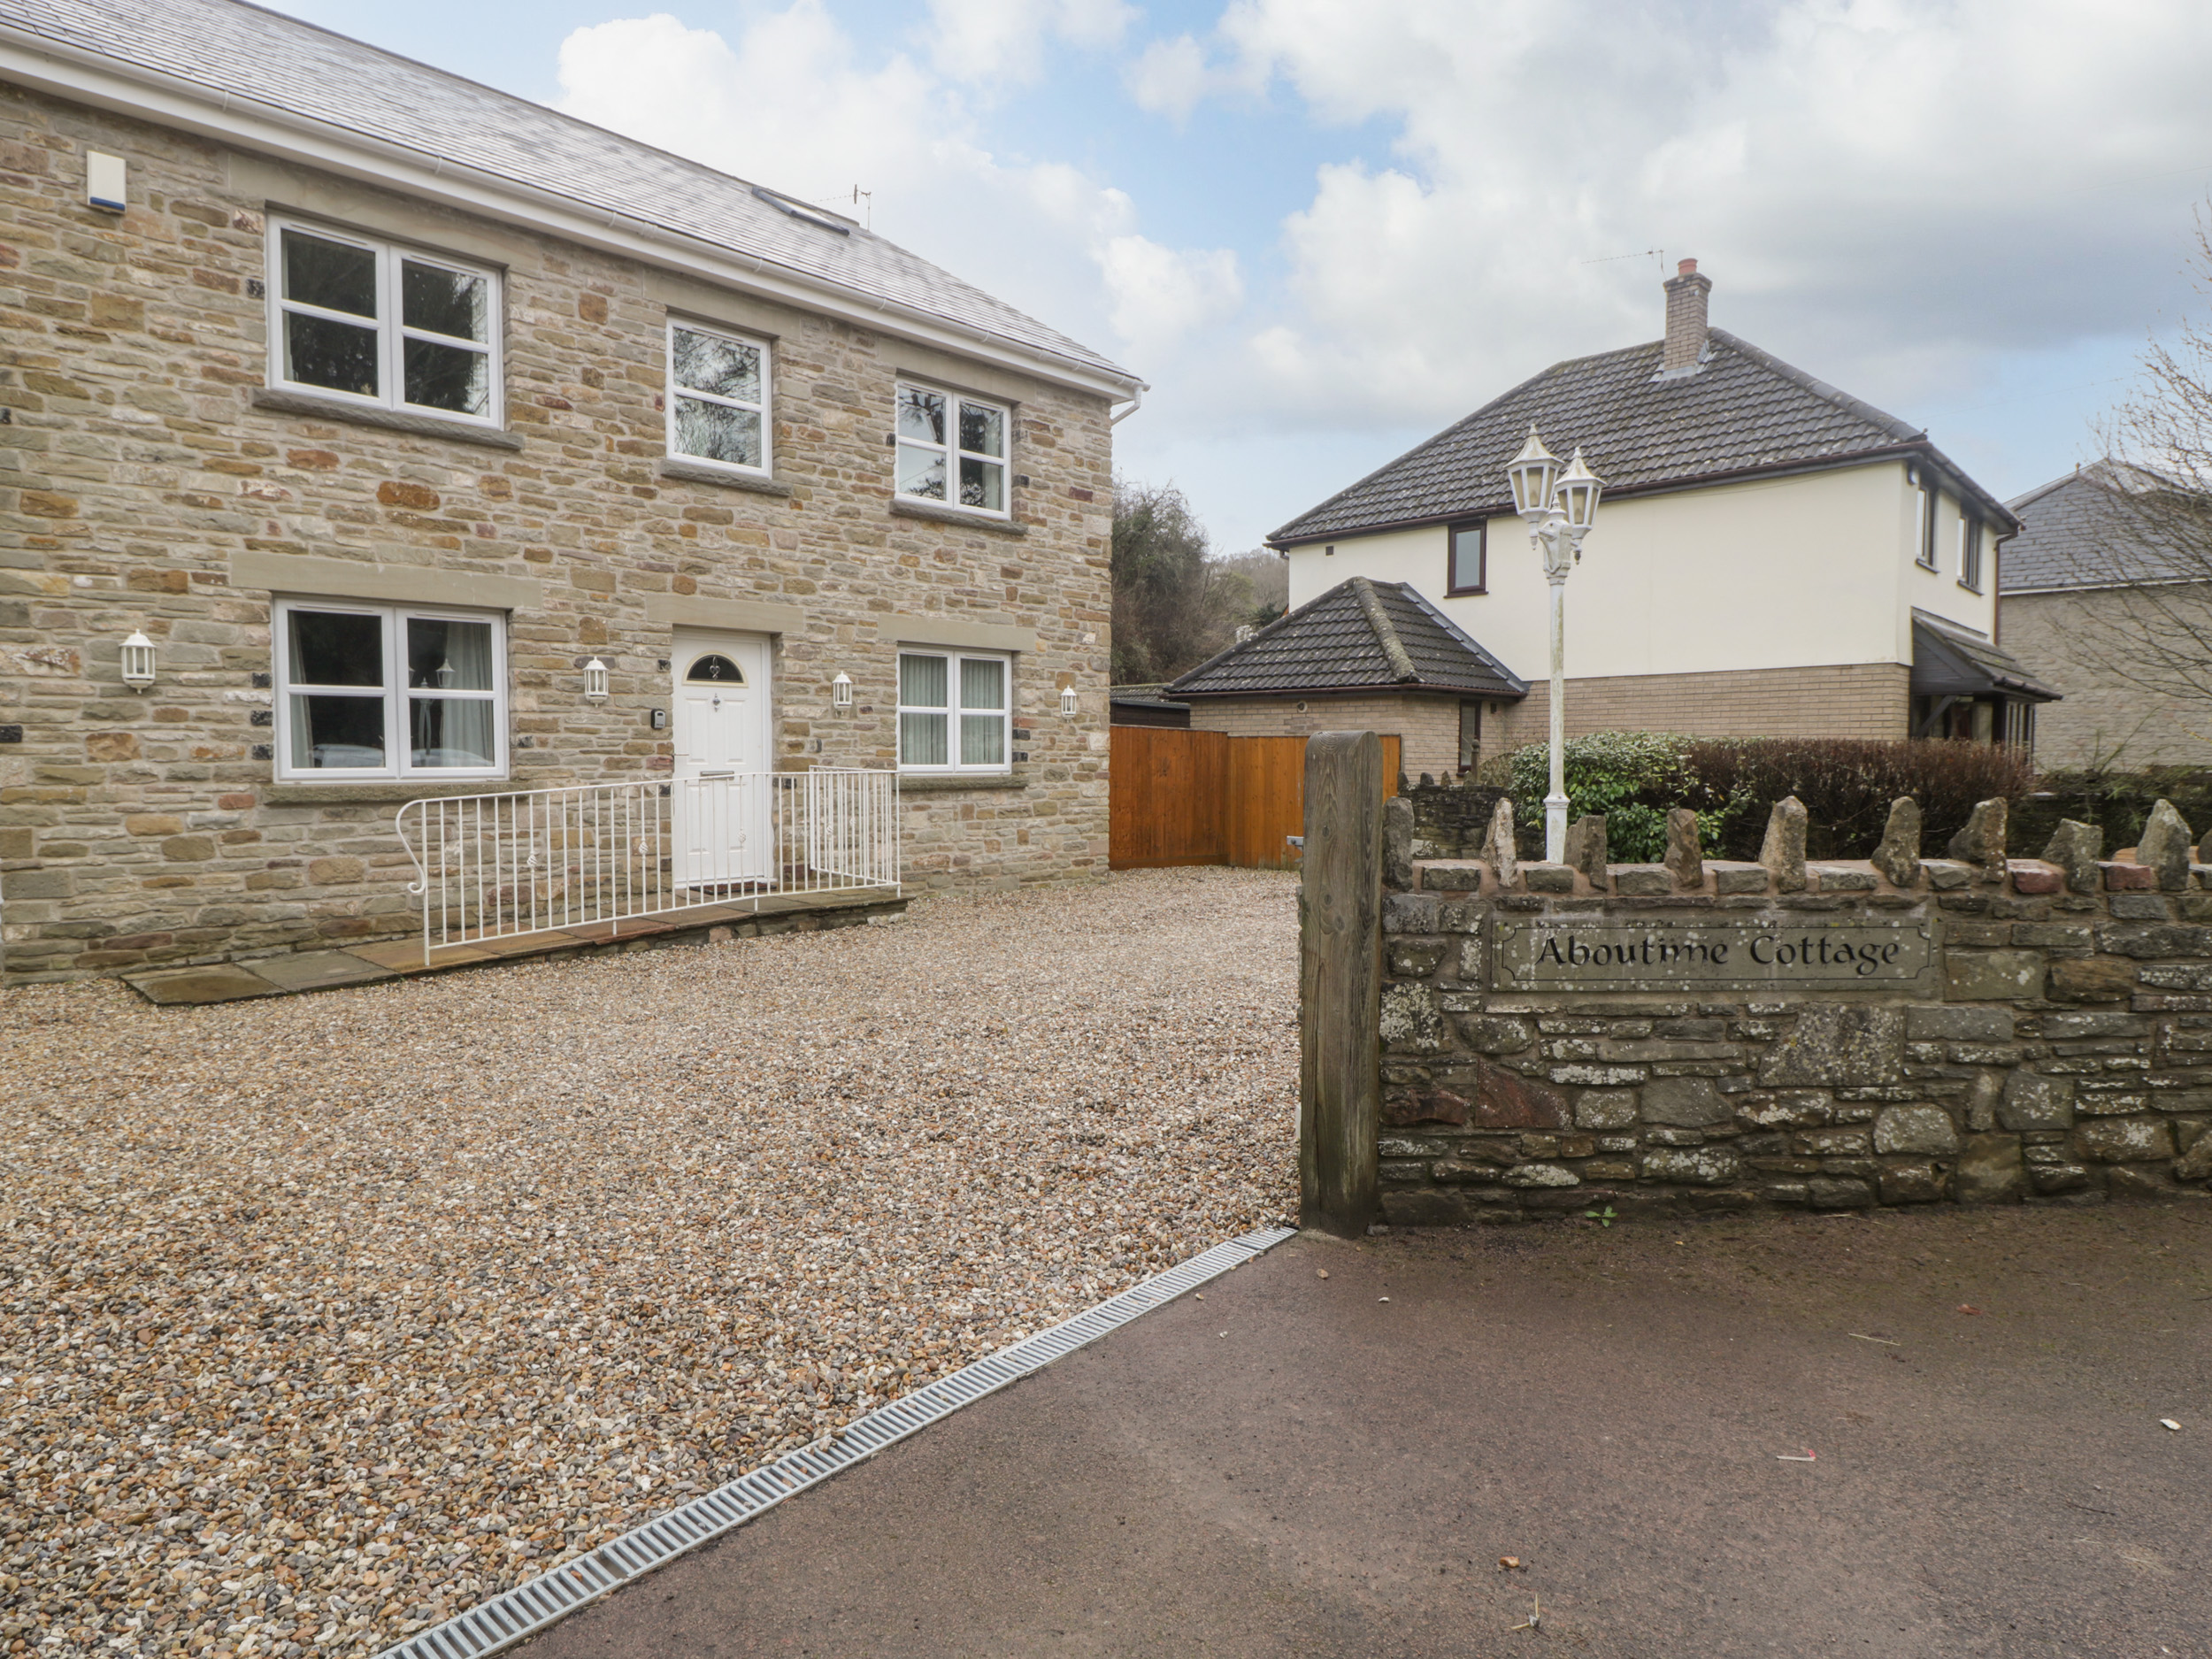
(1948, 662)
(1361, 636)
(1741, 413)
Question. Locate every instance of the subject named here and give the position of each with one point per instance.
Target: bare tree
(2151, 549)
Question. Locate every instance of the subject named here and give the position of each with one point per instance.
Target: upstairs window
(1468, 550)
(1969, 552)
(717, 397)
(954, 711)
(388, 691)
(1926, 536)
(378, 323)
(952, 449)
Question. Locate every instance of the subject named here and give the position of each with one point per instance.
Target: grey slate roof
(1948, 662)
(243, 51)
(2078, 531)
(1743, 411)
(1361, 636)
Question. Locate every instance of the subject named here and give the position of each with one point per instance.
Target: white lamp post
(1560, 508)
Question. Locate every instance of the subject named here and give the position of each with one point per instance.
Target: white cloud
(788, 102)
(1160, 295)
(1005, 41)
(1881, 190)
(1169, 77)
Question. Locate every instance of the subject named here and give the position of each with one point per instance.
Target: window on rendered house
(388, 691)
(717, 397)
(1969, 552)
(368, 321)
(954, 711)
(952, 449)
(1467, 571)
(1929, 497)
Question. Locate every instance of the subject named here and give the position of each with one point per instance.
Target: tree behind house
(2154, 552)
(1174, 605)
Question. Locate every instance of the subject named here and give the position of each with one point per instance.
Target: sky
(1323, 229)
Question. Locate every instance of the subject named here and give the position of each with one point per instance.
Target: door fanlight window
(716, 669)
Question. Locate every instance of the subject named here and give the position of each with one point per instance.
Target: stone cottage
(432, 443)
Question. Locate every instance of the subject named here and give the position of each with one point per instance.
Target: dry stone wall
(1717, 1036)
(139, 462)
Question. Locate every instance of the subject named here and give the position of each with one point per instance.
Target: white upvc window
(956, 712)
(370, 322)
(718, 398)
(388, 691)
(952, 449)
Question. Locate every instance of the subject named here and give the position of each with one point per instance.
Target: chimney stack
(1686, 292)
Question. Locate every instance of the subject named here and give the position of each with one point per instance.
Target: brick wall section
(1428, 727)
(1868, 700)
(2063, 1055)
(2104, 720)
(133, 467)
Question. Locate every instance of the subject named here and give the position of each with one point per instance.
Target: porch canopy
(1951, 667)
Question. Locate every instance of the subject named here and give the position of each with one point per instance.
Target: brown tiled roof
(1360, 635)
(1742, 411)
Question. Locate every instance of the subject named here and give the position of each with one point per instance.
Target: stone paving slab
(318, 969)
(218, 982)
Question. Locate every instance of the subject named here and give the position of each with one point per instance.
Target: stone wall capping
(1783, 852)
(1898, 857)
(2036, 876)
(1684, 858)
(390, 419)
(1947, 875)
(1981, 844)
(902, 507)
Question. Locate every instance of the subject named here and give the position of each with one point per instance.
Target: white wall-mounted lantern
(1067, 700)
(841, 690)
(595, 681)
(1560, 507)
(138, 661)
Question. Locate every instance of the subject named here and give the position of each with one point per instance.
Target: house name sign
(1599, 953)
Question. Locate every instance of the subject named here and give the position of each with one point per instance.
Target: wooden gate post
(1340, 983)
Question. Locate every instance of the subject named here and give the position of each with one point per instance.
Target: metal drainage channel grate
(530, 1606)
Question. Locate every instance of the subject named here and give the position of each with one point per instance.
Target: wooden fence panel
(1189, 797)
(1168, 791)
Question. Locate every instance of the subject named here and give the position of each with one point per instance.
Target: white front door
(723, 815)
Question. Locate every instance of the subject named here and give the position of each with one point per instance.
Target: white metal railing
(487, 866)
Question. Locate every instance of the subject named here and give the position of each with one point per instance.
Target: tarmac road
(1295, 1465)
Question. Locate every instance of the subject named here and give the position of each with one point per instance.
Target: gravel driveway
(323, 1319)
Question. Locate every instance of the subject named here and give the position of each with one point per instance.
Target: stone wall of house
(1866, 700)
(1427, 727)
(2103, 722)
(137, 465)
(2053, 1046)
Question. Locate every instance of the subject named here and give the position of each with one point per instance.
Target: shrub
(1631, 777)
(1845, 785)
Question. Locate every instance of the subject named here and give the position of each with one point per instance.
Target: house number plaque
(1596, 953)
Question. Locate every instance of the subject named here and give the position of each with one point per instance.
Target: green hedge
(1845, 785)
